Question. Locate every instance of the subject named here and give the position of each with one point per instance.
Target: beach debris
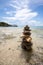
(26, 39)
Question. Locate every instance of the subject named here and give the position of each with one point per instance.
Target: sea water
(9, 31)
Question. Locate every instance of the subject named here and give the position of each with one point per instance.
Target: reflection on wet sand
(32, 57)
(26, 55)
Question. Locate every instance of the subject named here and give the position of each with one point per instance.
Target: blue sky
(22, 12)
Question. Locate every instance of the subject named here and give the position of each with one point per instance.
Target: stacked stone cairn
(26, 40)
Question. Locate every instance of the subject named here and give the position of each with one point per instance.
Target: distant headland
(3, 24)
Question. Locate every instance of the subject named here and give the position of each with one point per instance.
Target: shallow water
(11, 52)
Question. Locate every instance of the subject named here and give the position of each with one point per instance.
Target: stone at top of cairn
(27, 28)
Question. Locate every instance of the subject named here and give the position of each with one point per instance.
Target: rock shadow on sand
(26, 55)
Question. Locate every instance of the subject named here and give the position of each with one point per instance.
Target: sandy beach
(11, 52)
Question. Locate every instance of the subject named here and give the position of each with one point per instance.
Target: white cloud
(19, 3)
(23, 13)
(33, 22)
(11, 13)
(7, 12)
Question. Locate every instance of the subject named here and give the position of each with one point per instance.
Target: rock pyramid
(26, 40)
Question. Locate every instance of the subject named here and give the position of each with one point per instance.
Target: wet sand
(11, 52)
